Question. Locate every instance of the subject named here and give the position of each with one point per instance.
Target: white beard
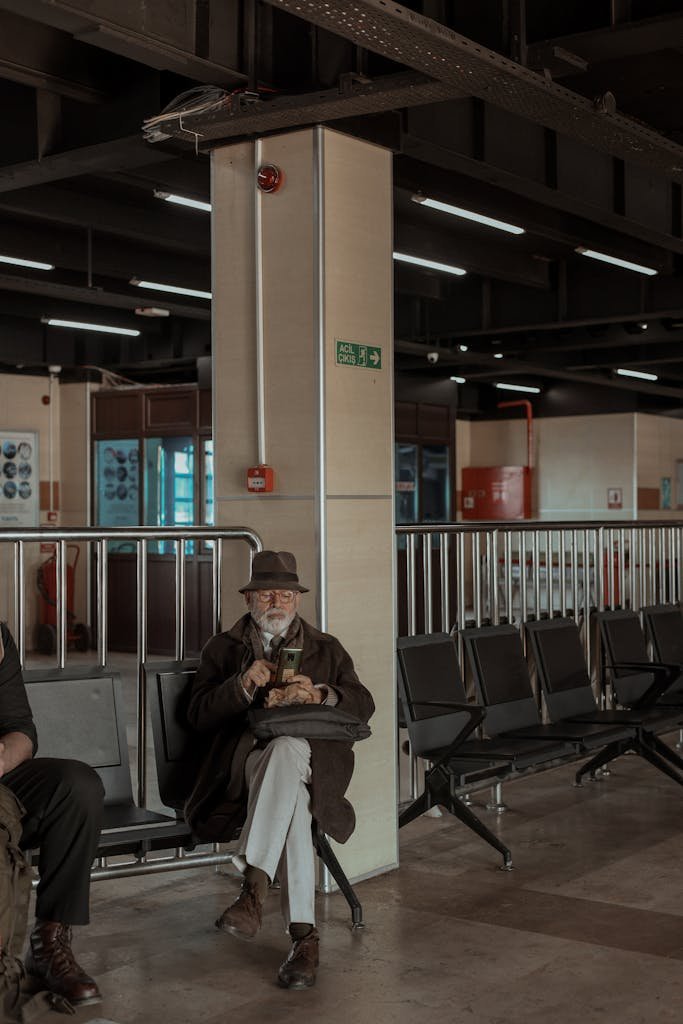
(273, 620)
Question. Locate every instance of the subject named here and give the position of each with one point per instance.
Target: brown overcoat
(218, 708)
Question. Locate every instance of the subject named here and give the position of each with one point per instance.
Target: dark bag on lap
(309, 722)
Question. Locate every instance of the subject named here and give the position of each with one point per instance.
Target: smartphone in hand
(288, 662)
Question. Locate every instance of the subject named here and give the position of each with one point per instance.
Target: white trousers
(276, 836)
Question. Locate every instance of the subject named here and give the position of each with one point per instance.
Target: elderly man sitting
(272, 789)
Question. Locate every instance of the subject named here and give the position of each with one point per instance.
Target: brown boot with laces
(50, 962)
(299, 969)
(243, 918)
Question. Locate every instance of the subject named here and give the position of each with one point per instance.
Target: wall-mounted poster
(19, 478)
(118, 481)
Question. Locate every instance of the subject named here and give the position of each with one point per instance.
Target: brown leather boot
(298, 970)
(50, 961)
(243, 918)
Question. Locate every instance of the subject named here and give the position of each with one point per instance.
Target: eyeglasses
(279, 596)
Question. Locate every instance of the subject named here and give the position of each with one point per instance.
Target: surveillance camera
(432, 357)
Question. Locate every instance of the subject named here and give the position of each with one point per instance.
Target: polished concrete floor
(588, 927)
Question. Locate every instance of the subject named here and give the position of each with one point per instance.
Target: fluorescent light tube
(403, 257)
(478, 218)
(157, 286)
(193, 204)
(625, 264)
(518, 387)
(640, 374)
(79, 326)
(33, 264)
(458, 380)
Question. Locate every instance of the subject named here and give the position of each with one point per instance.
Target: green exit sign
(351, 353)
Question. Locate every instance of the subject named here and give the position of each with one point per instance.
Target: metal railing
(210, 540)
(453, 575)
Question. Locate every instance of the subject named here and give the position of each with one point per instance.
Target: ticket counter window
(169, 486)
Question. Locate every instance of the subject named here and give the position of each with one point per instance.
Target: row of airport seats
(512, 737)
(80, 714)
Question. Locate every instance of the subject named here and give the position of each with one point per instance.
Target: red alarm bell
(269, 178)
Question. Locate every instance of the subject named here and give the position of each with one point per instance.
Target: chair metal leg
(418, 807)
(326, 854)
(439, 789)
(464, 814)
(607, 753)
(659, 762)
(662, 748)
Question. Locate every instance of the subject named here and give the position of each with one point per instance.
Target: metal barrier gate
(19, 543)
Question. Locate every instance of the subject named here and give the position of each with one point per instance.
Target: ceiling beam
(97, 296)
(164, 227)
(429, 152)
(115, 155)
(70, 249)
(613, 42)
(537, 218)
(491, 259)
(137, 34)
(487, 368)
(43, 58)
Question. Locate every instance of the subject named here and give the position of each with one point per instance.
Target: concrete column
(325, 427)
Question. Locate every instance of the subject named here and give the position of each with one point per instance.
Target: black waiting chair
(638, 683)
(664, 625)
(440, 723)
(79, 714)
(503, 683)
(178, 750)
(558, 653)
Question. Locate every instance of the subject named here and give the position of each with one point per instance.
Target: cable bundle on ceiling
(200, 100)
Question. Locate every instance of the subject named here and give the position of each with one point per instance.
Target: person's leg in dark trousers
(63, 802)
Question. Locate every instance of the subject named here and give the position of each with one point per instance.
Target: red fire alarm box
(496, 492)
(260, 479)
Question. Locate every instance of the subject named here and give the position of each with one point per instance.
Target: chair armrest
(665, 674)
(443, 704)
(476, 713)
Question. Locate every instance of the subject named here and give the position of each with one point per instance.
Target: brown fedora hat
(274, 570)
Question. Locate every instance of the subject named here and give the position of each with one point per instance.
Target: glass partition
(169, 486)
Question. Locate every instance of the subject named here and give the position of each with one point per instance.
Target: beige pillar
(326, 428)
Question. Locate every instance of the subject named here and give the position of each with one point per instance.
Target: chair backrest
(561, 666)
(79, 714)
(623, 640)
(176, 747)
(429, 671)
(501, 677)
(664, 624)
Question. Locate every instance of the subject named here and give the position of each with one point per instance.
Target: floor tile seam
(674, 954)
(627, 907)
